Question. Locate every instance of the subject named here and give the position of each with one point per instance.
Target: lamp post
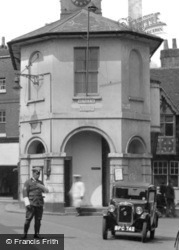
(91, 8)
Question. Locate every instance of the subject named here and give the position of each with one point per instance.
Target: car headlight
(139, 210)
(111, 208)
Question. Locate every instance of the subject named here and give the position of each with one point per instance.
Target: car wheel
(105, 229)
(152, 234)
(144, 232)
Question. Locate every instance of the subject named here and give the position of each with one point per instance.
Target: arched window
(135, 74)
(35, 68)
(36, 147)
(136, 146)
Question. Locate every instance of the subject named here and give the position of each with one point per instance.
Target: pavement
(13, 206)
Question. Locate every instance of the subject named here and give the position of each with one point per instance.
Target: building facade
(165, 164)
(86, 104)
(9, 126)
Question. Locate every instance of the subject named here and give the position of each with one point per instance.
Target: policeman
(33, 199)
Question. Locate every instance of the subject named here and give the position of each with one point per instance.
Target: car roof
(134, 184)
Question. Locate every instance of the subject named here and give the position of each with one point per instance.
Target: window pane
(93, 54)
(80, 83)
(92, 83)
(159, 179)
(172, 171)
(174, 179)
(169, 129)
(162, 129)
(2, 83)
(80, 71)
(162, 118)
(160, 171)
(80, 54)
(160, 164)
(93, 65)
(80, 66)
(165, 171)
(155, 171)
(2, 116)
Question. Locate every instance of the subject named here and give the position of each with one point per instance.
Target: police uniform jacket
(33, 192)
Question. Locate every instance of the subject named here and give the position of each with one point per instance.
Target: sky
(19, 17)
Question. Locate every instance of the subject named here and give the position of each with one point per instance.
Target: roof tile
(169, 78)
(77, 22)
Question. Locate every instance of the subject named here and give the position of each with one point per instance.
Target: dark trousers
(35, 212)
(170, 207)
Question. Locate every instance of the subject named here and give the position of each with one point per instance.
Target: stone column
(54, 200)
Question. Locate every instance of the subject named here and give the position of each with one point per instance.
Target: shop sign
(150, 23)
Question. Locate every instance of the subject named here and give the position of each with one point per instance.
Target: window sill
(35, 101)
(2, 135)
(2, 91)
(78, 98)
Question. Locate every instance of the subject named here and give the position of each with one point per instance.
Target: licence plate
(124, 229)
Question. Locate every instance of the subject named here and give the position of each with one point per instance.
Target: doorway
(67, 180)
(88, 156)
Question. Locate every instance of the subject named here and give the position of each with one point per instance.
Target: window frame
(2, 123)
(2, 116)
(31, 70)
(2, 85)
(168, 175)
(164, 122)
(85, 71)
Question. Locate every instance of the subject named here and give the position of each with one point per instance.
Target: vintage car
(132, 209)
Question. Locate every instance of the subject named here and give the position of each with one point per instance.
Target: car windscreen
(130, 193)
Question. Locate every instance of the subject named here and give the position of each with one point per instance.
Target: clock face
(81, 3)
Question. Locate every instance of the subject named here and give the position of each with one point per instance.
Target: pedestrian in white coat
(77, 193)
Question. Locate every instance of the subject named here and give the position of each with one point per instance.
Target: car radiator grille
(125, 214)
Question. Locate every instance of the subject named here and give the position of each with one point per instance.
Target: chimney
(174, 43)
(3, 45)
(165, 45)
(134, 9)
(170, 57)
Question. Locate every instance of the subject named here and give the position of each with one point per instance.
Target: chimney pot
(174, 43)
(3, 42)
(165, 46)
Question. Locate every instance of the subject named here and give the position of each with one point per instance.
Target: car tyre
(105, 229)
(144, 232)
(152, 234)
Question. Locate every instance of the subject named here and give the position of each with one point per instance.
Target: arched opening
(87, 155)
(135, 74)
(34, 68)
(136, 146)
(136, 149)
(36, 147)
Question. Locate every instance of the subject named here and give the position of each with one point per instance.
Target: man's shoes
(24, 236)
(38, 236)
